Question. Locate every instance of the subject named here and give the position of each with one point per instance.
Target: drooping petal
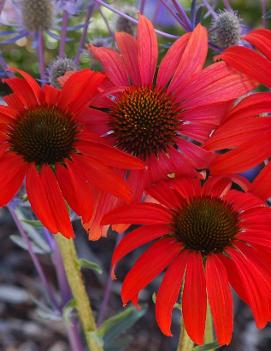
(194, 301)
(47, 200)
(147, 51)
(169, 291)
(193, 58)
(147, 213)
(76, 190)
(248, 62)
(12, 173)
(220, 298)
(153, 261)
(137, 238)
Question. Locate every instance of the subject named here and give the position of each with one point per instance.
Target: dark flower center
(43, 135)
(144, 121)
(206, 224)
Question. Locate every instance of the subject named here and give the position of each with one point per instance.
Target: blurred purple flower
(71, 6)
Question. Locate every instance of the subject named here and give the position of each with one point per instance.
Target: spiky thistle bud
(37, 14)
(58, 68)
(226, 29)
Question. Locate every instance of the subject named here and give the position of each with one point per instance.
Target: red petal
(220, 298)
(260, 38)
(12, 173)
(129, 51)
(147, 50)
(47, 200)
(146, 213)
(151, 263)
(22, 91)
(113, 65)
(169, 291)
(36, 89)
(249, 62)
(172, 59)
(242, 202)
(194, 300)
(76, 190)
(110, 156)
(102, 177)
(247, 156)
(137, 238)
(261, 185)
(163, 193)
(193, 58)
(217, 186)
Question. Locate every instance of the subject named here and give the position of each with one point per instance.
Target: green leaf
(84, 263)
(119, 344)
(68, 309)
(212, 346)
(33, 223)
(119, 324)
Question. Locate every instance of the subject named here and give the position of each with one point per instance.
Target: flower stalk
(74, 276)
(185, 343)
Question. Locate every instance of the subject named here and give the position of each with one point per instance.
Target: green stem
(74, 276)
(185, 343)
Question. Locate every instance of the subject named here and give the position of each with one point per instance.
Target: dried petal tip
(226, 29)
(37, 14)
(58, 68)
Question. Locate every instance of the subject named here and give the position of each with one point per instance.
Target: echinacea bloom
(208, 239)
(163, 116)
(249, 120)
(47, 139)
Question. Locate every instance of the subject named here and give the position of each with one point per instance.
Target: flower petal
(220, 298)
(169, 291)
(194, 300)
(147, 51)
(261, 185)
(151, 263)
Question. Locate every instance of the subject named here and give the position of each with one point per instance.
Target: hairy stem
(185, 343)
(74, 276)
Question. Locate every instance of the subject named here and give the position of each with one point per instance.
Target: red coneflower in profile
(163, 117)
(250, 119)
(208, 238)
(47, 138)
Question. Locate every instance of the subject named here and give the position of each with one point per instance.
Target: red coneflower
(163, 117)
(47, 138)
(249, 120)
(208, 238)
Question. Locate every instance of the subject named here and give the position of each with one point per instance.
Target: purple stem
(107, 291)
(40, 52)
(74, 336)
(227, 5)
(2, 4)
(133, 20)
(210, 9)
(142, 6)
(183, 15)
(34, 258)
(3, 62)
(63, 37)
(178, 18)
(84, 34)
(156, 12)
(264, 19)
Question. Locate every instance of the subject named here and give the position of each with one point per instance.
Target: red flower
(47, 138)
(163, 117)
(246, 131)
(208, 238)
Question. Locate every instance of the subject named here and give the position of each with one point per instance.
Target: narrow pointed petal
(147, 51)
(137, 238)
(47, 201)
(148, 266)
(169, 292)
(12, 173)
(146, 213)
(194, 300)
(220, 299)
